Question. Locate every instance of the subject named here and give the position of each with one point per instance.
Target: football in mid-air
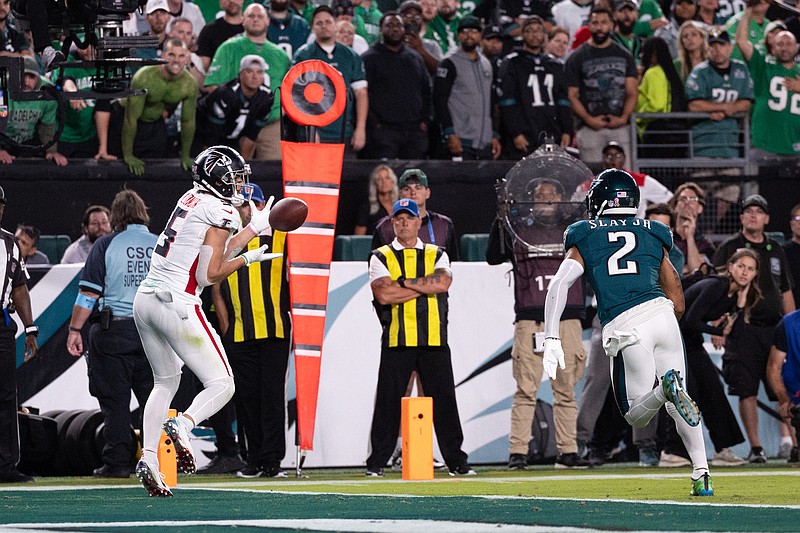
(288, 214)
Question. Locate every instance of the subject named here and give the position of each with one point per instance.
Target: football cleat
(702, 486)
(676, 395)
(183, 448)
(153, 480)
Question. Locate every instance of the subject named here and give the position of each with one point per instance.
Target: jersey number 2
(616, 263)
(168, 237)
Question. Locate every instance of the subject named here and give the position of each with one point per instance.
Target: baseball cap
(2, 196)
(626, 3)
(342, 7)
(257, 195)
(409, 4)
(756, 200)
(491, 32)
(718, 36)
(613, 144)
(470, 22)
(248, 61)
(775, 25)
(405, 204)
(413, 174)
(31, 66)
(531, 20)
(155, 5)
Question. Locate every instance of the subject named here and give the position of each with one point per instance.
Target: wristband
(74, 330)
(33, 329)
(402, 282)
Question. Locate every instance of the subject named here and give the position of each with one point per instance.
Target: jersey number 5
(616, 263)
(168, 236)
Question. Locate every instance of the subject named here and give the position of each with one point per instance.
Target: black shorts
(744, 363)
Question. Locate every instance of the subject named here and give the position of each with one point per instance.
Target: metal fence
(672, 154)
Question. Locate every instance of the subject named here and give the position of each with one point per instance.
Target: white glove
(259, 254)
(553, 356)
(259, 220)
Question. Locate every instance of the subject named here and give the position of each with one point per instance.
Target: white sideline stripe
(313, 231)
(326, 524)
(312, 190)
(310, 271)
(309, 312)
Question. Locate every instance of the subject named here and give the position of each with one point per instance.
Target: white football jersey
(176, 254)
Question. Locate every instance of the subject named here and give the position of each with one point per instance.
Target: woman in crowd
(383, 193)
(692, 48)
(713, 305)
(660, 91)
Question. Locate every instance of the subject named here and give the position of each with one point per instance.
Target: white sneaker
(785, 450)
(184, 454)
(669, 460)
(726, 457)
(153, 480)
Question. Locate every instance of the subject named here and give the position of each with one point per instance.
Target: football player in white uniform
(199, 247)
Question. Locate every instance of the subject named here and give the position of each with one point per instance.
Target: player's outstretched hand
(259, 254)
(553, 357)
(259, 220)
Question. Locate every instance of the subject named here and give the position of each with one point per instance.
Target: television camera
(83, 23)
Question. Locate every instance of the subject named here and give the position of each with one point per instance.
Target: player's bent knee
(224, 387)
(170, 383)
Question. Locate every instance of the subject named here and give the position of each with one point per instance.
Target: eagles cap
(406, 205)
(470, 23)
(252, 61)
(413, 174)
(756, 200)
(718, 36)
(492, 32)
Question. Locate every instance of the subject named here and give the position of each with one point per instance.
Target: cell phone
(105, 318)
(413, 28)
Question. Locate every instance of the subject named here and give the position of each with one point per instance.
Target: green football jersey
(718, 138)
(622, 258)
(776, 113)
(79, 126)
(25, 115)
(225, 66)
(755, 33)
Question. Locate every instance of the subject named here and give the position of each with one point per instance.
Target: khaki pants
(268, 143)
(527, 369)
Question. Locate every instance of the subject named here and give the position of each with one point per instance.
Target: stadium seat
(473, 246)
(54, 246)
(352, 247)
(776, 236)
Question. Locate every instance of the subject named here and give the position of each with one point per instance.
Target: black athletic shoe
(517, 461)
(462, 470)
(223, 464)
(570, 460)
(109, 471)
(14, 476)
(374, 472)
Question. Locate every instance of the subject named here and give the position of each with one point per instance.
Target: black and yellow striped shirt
(258, 296)
(418, 322)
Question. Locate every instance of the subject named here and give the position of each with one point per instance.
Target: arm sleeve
(442, 86)
(710, 292)
(556, 299)
(497, 249)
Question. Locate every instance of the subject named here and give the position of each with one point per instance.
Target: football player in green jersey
(639, 301)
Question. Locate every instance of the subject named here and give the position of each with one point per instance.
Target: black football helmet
(613, 192)
(217, 170)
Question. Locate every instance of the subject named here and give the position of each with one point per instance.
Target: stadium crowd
(428, 79)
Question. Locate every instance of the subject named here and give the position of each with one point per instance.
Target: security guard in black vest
(253, 310)
(410, 280)
(15, 297)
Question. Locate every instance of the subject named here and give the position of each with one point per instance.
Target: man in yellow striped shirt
(409, 280)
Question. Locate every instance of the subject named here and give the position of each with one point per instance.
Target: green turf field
(750, 498)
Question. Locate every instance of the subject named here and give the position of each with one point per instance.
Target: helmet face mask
(613, 192)
(221, 171)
